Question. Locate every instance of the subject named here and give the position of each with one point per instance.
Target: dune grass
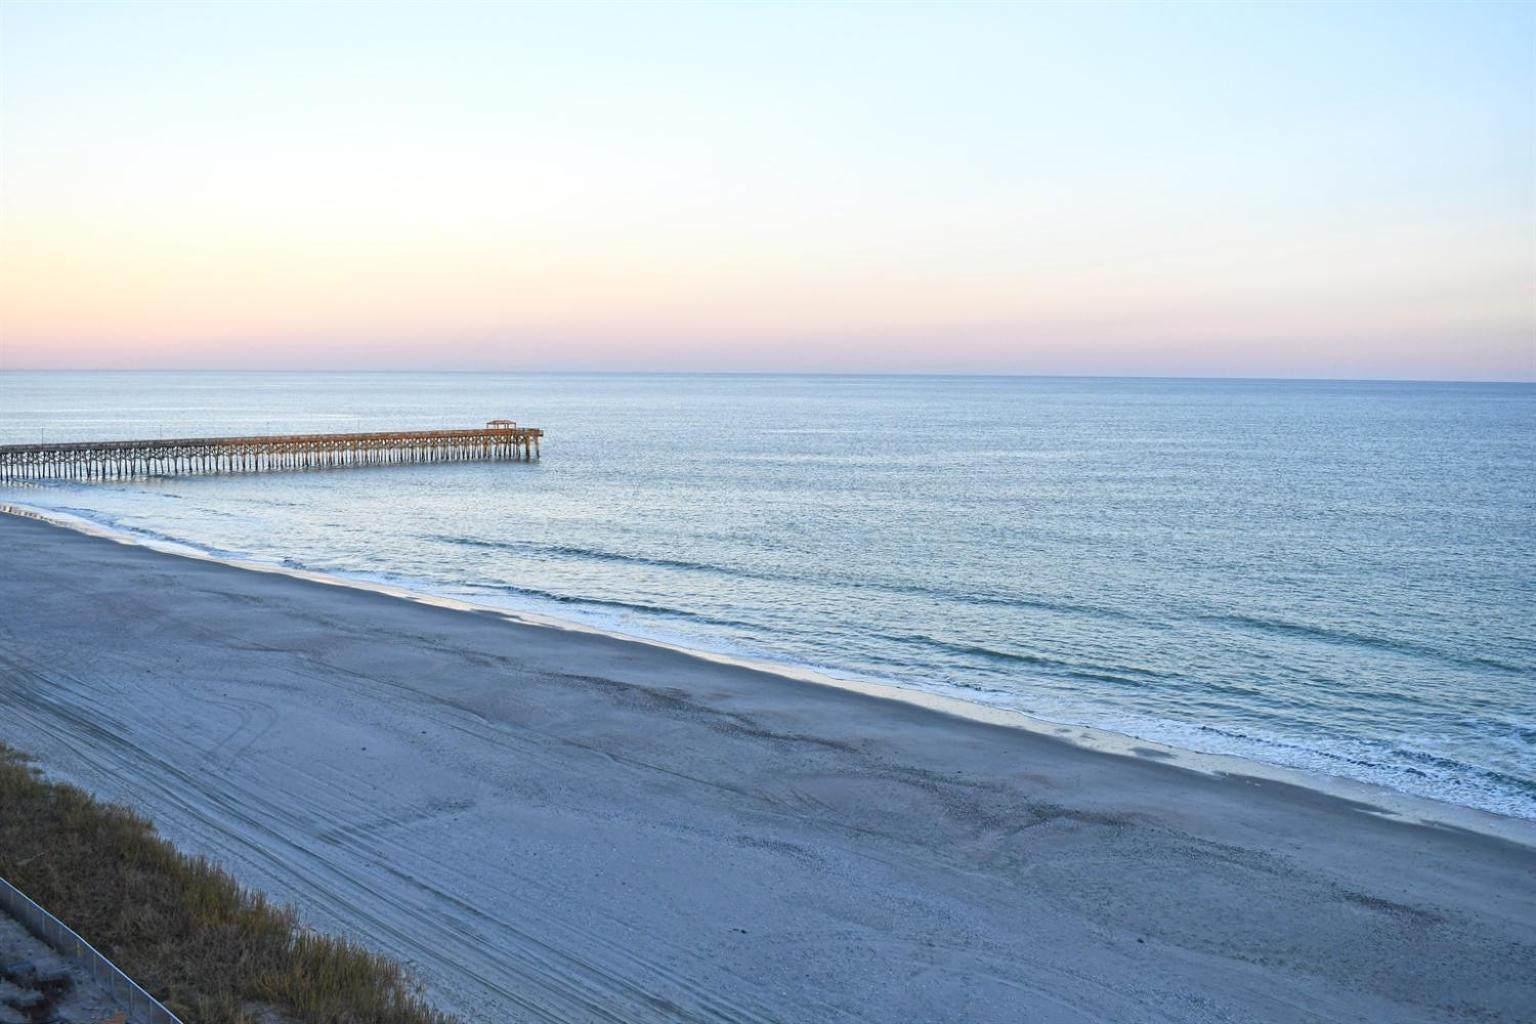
(210, 950)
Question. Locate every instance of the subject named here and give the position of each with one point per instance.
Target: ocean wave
(852, 582)
(1002, 600)
(1322, 634)
(576, 551)
(1123, 676)
(579, 601)
(1405, 769)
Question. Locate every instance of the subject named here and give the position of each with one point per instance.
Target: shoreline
(1387, 802)
(548, 825)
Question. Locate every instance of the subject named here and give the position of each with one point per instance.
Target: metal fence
(141, 1007)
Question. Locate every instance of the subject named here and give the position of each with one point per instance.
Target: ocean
(1336, 577)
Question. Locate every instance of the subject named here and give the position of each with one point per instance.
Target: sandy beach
(555, 826)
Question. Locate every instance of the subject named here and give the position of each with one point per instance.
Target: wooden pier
(499, 440)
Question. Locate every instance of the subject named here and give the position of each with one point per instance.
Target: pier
(499, 440)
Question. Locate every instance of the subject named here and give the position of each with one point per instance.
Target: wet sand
(552, 825)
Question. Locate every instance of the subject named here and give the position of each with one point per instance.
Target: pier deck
(116, 460)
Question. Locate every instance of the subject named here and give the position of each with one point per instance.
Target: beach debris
(28, 999)
(38, 986)
(19, 972)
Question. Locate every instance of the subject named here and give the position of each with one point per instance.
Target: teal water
(1336, 577)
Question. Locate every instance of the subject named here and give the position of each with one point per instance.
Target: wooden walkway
(118, 460)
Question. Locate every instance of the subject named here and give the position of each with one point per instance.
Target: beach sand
(553, 825)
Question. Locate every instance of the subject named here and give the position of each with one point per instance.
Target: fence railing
(141, 1007)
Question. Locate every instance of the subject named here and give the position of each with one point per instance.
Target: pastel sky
(1328, 190)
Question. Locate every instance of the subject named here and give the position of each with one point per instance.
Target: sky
(1287, 190)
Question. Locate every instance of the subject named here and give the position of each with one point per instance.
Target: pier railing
(115, 460)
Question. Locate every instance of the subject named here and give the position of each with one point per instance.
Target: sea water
(1334, 577)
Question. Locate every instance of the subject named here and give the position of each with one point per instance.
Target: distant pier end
(498, 440)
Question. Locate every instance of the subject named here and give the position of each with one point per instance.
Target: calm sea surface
(1338, 577)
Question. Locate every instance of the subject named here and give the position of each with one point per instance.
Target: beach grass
(212, 951)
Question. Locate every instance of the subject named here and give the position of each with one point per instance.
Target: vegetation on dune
(212, 951)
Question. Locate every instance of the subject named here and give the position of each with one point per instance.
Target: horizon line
(977, 375)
